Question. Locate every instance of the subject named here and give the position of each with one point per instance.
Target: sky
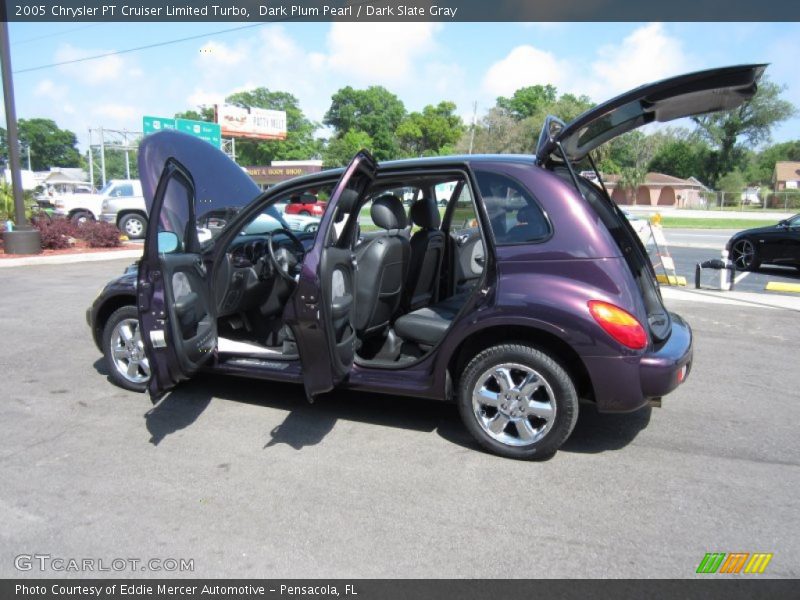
(423, 63)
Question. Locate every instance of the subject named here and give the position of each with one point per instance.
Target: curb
(783, 286)
(64, 259)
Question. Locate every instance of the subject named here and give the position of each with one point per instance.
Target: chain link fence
(783, 201)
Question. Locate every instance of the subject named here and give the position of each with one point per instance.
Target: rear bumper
(662, 371)
(628, 383)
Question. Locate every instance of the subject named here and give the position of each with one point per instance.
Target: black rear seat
(427, 326)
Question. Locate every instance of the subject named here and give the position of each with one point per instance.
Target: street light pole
(24, 240)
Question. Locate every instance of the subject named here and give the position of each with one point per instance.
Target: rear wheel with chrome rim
(517, 401)
(744, 255)
(123, 350)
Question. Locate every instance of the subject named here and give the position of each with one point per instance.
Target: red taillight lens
(619, 324)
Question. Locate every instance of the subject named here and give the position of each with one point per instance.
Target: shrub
(99, 234)
(56, 234)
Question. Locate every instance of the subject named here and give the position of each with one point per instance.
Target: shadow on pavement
(307, 424)
(598, 432)
(786, 272)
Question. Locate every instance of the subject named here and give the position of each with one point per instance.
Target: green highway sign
(209, 132)
(154, 124)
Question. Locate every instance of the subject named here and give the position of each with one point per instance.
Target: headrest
(527, 215)
(387, 212)
(347, 200)
(425, 213)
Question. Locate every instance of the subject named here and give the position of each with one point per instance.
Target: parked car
(777, 244)
(532, 290)
(125, 208)
(81, 207)
(306, 205)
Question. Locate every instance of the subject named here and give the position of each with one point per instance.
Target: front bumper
(628, 383)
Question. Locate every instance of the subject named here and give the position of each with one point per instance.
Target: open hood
(683, 96)
(220, 184)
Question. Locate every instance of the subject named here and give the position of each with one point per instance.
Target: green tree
(682, 158)
(762, 164)
(50, 146)
(203, 113)
(374, 111)
(528, 101)
(751, 123)
(299, 144)
(732, 183)
(340, 150)
(431, 132)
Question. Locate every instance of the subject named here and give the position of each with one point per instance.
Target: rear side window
(515, 216)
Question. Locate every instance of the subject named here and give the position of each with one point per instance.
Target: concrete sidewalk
(749, 299)
(753, 214)
(62, 259)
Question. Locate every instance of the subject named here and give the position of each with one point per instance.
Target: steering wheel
(282, 259)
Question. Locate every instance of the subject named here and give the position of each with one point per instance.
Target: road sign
(209, 132)
(154, 124)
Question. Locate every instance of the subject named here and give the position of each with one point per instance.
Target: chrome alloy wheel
(743, 254)
(127, 351)
(514, 404)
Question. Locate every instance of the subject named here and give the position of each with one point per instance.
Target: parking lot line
(783, 286)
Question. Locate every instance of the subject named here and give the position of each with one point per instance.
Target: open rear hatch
(562, 144)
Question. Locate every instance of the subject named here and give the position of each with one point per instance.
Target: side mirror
(167, 242)
(783, 223)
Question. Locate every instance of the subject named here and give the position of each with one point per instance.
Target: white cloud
(217, 54)
(379, 53)
(524, 66)
(46, 88)
(93, 72)
(647, 54)
(119, 112)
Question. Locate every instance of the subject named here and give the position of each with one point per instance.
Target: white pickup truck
(126, 211)
(81, 207)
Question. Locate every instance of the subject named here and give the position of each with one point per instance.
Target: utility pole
(472, 133)
(91, 161)
(24, 239)
(102, 158)
(127, 156)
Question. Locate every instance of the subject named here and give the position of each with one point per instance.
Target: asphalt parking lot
(248, 480)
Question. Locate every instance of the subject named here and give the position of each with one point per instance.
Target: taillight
(619, 324)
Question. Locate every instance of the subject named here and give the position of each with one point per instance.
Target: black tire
(120, 315)
(81, 216)
(304, 213)
(133, 225)
(557, 390)
(744, 255)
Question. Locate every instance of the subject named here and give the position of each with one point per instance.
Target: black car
(777, 244)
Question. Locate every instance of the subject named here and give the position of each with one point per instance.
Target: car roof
(411, 163)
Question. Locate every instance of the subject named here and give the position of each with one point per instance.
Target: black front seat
(382, 265)
(427, 248)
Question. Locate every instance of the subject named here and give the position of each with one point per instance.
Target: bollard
(723, 272)
(697, 271)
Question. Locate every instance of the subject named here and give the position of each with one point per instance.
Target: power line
(138, 48)
(57, 33)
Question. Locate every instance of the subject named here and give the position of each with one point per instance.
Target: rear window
(515, 217)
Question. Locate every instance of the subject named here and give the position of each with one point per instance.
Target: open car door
(179, 329)
(322, 309)
(184, 179)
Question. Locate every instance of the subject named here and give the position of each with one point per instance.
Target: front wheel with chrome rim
(124, 351)
(517, 401)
